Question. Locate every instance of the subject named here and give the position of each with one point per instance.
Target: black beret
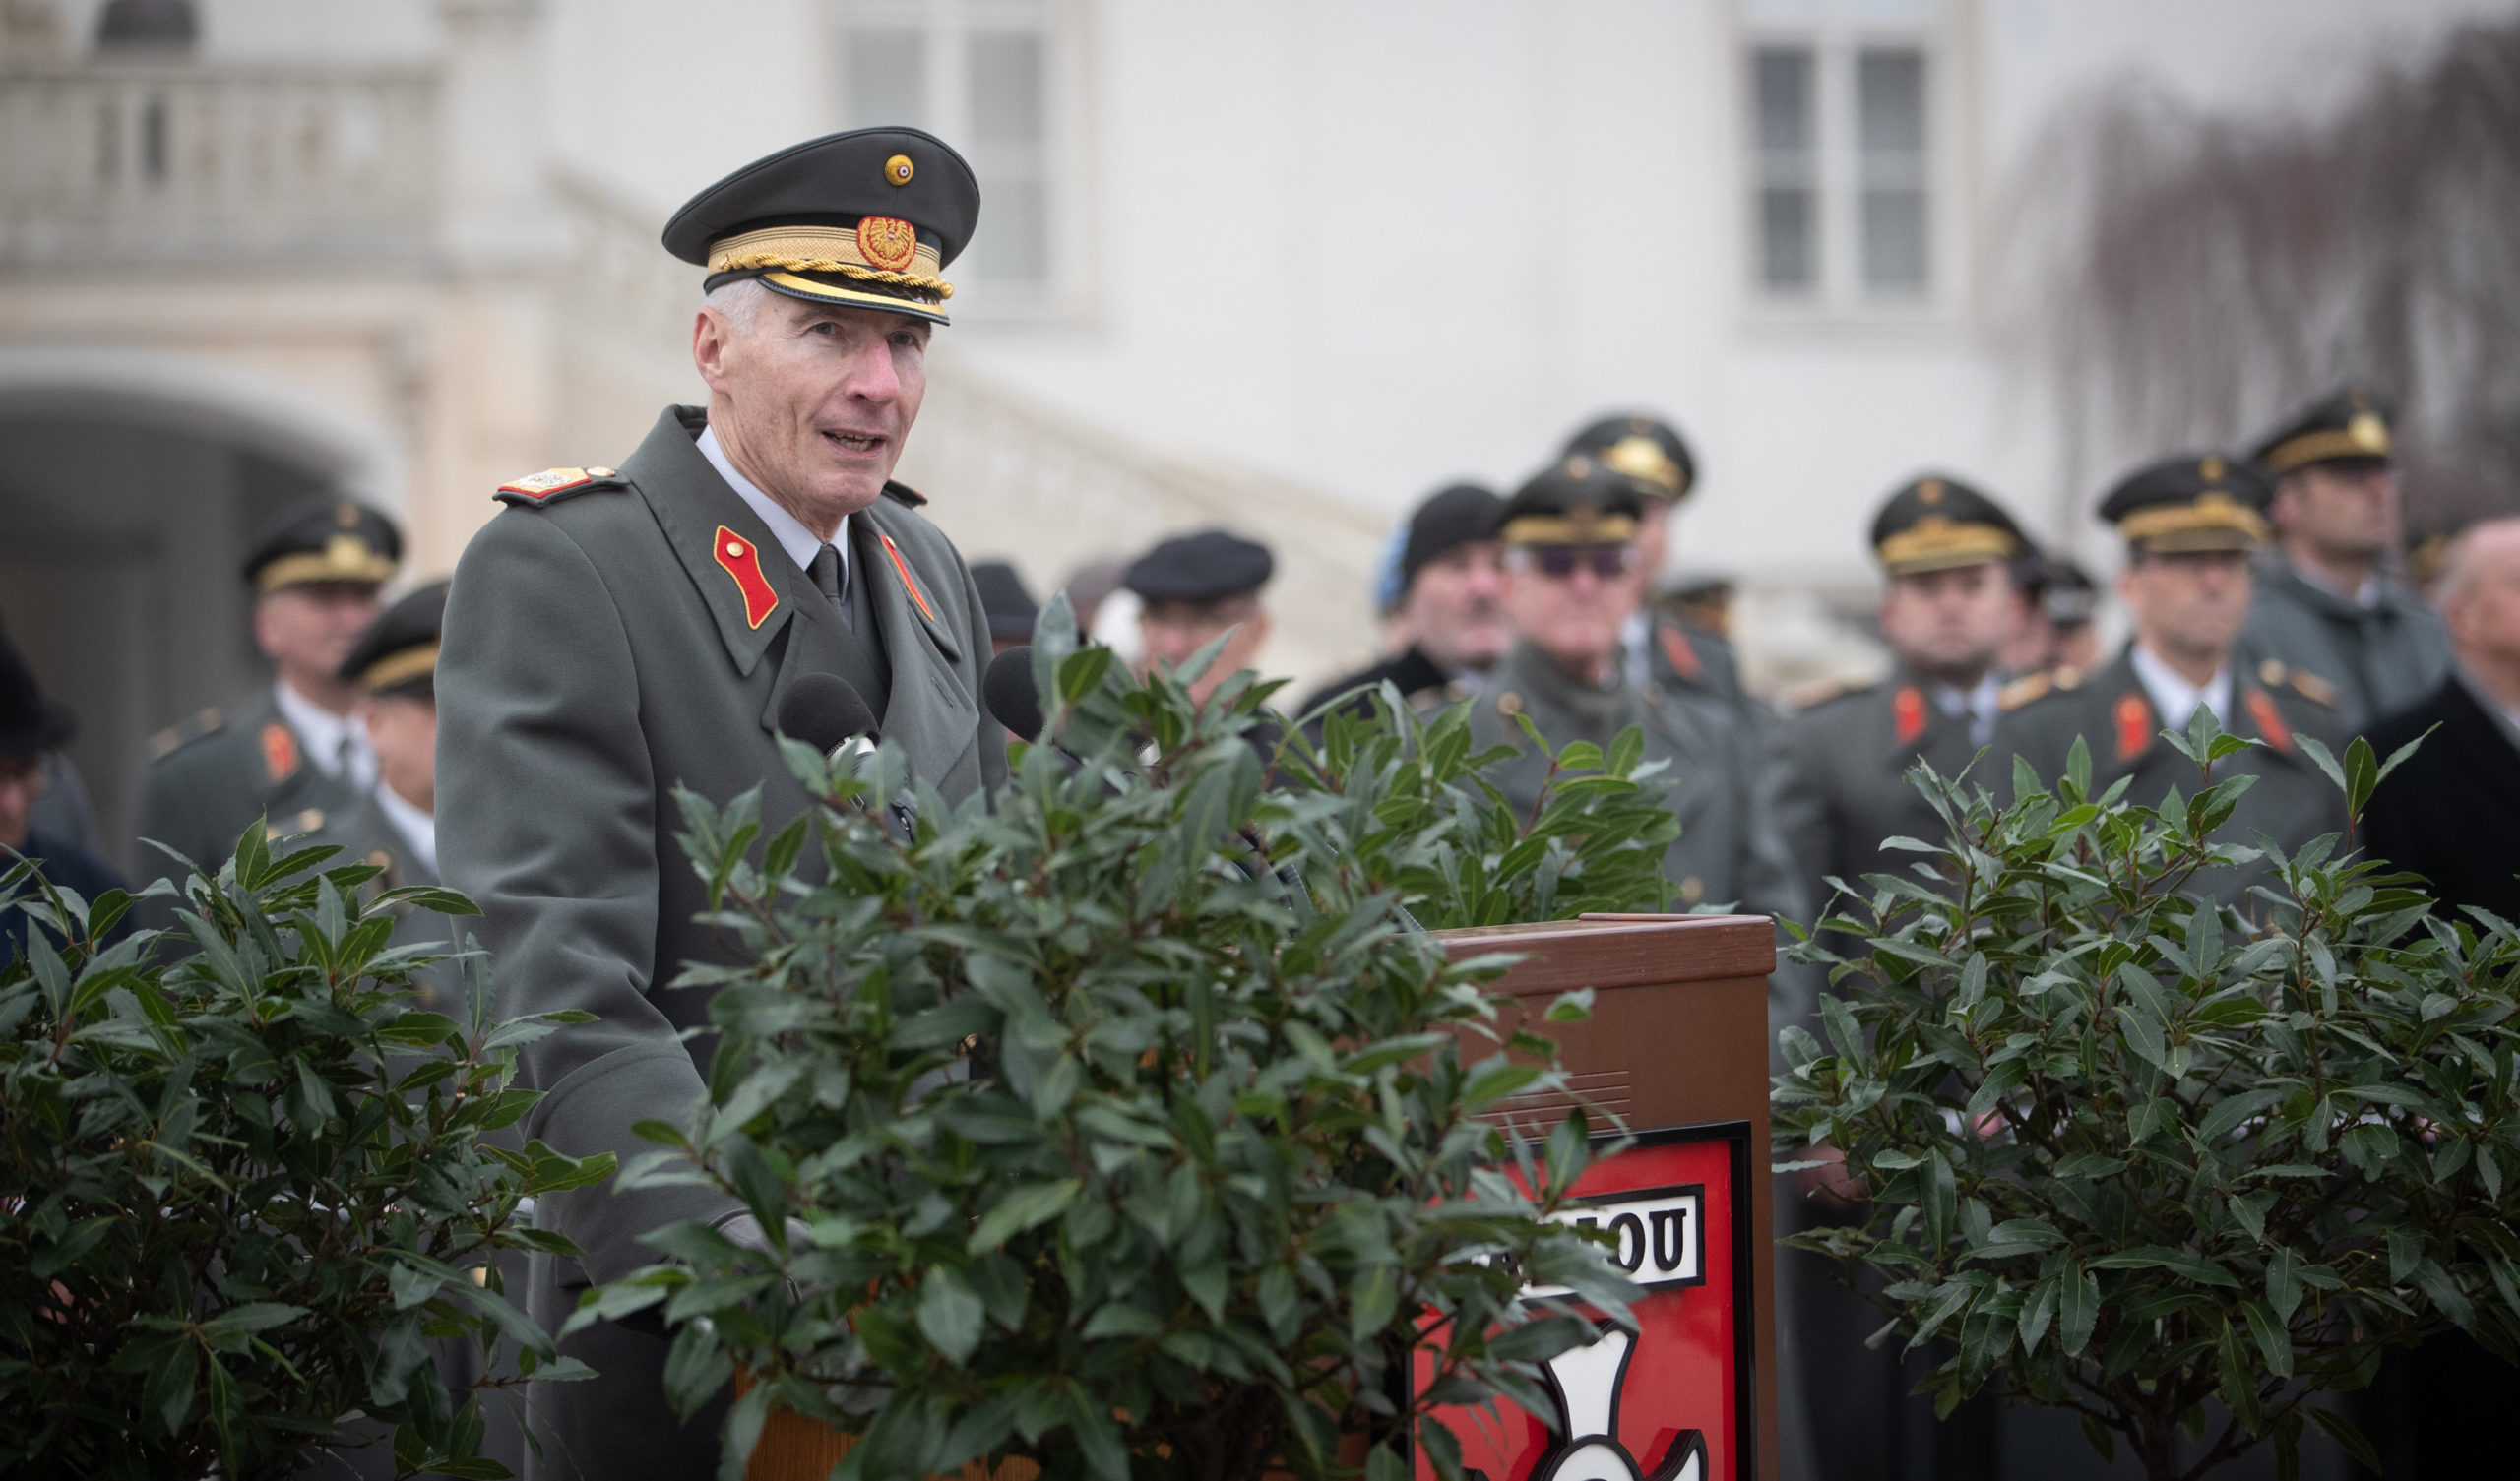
(1208, 566)
(1463, 515)
(397, 653)
(1011, 610)
(1575, 501)
(1936, 523)
(2198, 501)
(1647, 450)
(326, 539)
(866, 219)
(28, 722)
(2351, 425)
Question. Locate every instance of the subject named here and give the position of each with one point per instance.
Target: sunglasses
(1559, 562)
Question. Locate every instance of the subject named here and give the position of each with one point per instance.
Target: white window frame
(1837, 32)
(1064, 293)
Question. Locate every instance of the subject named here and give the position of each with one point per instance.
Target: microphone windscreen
(1010, 694)
(822, 711)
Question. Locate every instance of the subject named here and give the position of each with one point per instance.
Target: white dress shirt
(417, 827)
(2174, 698)
(333, 742)
(789, 531)
(1980, 705)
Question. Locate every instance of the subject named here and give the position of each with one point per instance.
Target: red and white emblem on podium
(1673, 1401)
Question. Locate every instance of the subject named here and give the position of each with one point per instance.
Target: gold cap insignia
(1640, 457)
(2366, 431)
(345, 515)
(1579, 466)
(2210, 467)
(1930, 491)
(898, 169)
(888, 242)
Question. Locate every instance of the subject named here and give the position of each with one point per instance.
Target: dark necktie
(825, 572)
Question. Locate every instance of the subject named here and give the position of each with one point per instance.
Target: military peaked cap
(2201, 501)
(867, 218)
(2351, 425)
(1653, 452)
(1579, 499)
(397, 653)
(1936, 523)
(1208, 566)
(1011, 610)
(328, 539)
(2068, 596)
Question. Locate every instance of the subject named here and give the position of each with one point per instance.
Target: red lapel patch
(742, 561)
(2270, 720)
(280, 751)
(908, 582)
(1675, 648)
(2134, 726)
(1908, 713)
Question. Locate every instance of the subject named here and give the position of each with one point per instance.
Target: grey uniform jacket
(1844, 786)
(599, 650)
(2292, 802)
(2381, 658)
(1728, 849)
(220, 771)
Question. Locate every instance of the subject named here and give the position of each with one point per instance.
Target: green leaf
(950, 1313)
(1024, 1209)
(2185, 1264)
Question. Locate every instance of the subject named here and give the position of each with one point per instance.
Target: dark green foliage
(2126, 1152)
(227, 1223)
(1085, 1134)
(1417, 817)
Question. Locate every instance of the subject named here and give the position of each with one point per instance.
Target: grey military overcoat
(2381, 658)
(2292, 801)
(1844, 786)
(601, 648)
(220, 772)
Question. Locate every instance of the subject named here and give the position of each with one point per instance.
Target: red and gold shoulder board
(552, 485)
(742, 559)
(1908, 714)
(2270, 720)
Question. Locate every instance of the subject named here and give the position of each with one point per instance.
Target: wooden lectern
(1677, 1048)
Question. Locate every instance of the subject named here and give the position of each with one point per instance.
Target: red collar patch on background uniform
(280, 751)
(908, 582)
(2270, 720)
(742, 561)
(1908, 714)
(2134, 726)
(1675, 648)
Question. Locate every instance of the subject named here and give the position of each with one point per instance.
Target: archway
(129, 487)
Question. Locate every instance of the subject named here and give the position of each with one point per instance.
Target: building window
(983, 75)
(1843, 129)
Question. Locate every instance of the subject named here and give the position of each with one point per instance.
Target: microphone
(1009, 693)
(825, 712)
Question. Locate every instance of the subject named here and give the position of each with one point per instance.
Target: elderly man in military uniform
(1452, 585)
(2325, 604)
(1947, 607)
(1681, 656)
(293, 751)
(1195, 589)
(614, 634)
(2190, 525)
(1572, 584)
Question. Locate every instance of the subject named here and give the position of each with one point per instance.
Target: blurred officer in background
(1011, 610)
(1572, 584)
(2069, 603)
(32, 729)
(2191, 525)
(1195, 589)
(295, 752)
(1654, 459)
(2325, 603)
(1451, 605)
(1948, 603)
(613, 634)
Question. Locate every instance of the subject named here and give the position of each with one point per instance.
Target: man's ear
(709, 336)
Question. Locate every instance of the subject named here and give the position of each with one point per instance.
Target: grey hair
(738, 302)
(2459, 567)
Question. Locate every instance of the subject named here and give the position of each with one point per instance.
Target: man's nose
(871, 377)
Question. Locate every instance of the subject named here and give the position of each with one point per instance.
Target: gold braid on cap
(1938, 541)
(400, 667)
(754, 260)
(2212, 512)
